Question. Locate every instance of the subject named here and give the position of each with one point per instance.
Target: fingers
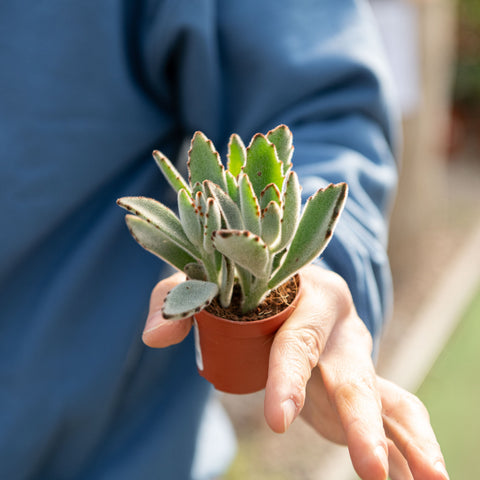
(398, 466)
(326, 331)
(158, 332)
(295, 351)
(407, 423)
(350, 383)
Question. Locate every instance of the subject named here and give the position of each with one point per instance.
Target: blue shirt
(88, 89)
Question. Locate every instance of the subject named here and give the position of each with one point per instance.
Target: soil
(276, 301)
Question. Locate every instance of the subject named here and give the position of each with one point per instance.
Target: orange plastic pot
(234, 355)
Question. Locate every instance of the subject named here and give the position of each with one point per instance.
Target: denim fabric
(87, 90)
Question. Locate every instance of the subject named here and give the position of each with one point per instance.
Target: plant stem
(258, 292)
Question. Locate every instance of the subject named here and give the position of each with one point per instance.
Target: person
(88, 90)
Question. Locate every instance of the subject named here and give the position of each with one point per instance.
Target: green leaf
(172, 175)
(271, 224)
(245, 278)
(270, 193)
(213, 221)
(315, 230)
(204, 162)
(154, 241)
(200, 201)
(188, 298)
(190, 218)
(249, 205)
(161, 217)
(232, 186)
(262, 165)
(291, 205)
(228, 208)
(228, 278)
(195, 271)
(247, 250)
(236, 155)
(282, 137)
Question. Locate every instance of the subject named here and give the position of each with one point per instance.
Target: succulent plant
(243, 224)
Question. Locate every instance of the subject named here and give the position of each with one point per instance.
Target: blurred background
(431, 345)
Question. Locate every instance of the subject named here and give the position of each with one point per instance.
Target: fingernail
(153, 322)
(289, 412)
(381, 454)
(440, 467)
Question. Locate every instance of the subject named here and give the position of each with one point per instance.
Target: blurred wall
(421, 195)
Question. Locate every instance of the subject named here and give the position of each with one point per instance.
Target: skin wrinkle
(343, 399)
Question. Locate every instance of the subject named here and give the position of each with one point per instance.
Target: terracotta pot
(234, 355)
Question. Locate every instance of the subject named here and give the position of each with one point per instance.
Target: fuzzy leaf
(228, 208)
(245, 278)
(154, 241)
(247, 250)
(195, 271)
(262, 165)
(204, 162)
(200, 201)
(270, 193)
(213, 221)
(161, 217)
(249, 205)
(188, 298)
(172, 175)
(232, 186)
(271, 224)
(282, 138)
(291, 205)
(315, 230)
(228, 278)
(189, 218)
(236, 155)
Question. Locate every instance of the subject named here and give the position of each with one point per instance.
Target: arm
(319, 70)
(314, 67)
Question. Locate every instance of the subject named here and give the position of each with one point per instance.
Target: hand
(320, 365)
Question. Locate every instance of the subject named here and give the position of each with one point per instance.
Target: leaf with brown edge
(188, 298)
(154, 241)
(229, 209)
(236, 155)
(162, 218)
(282, 138)
(171, 174)
(314, 231)
(271, 193)
(204, 162)
(245, 249)
(263, 166)
(271, 225)
(249, 205)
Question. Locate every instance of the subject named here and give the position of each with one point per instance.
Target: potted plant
(240, 237)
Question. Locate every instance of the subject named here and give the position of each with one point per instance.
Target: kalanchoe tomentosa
(241, 224)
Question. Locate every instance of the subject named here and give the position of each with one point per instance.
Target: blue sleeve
(317, 67)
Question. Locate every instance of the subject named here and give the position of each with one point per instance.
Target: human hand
(159, 332)
(321, 360)
(320, 365)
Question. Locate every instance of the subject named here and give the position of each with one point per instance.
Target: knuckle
(360, 335)
(303, 345)
(407, 404)
(349, 392)
(341, 290)
(414, 404)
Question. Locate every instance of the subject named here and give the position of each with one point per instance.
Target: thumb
(159, 332)
(295, 351)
